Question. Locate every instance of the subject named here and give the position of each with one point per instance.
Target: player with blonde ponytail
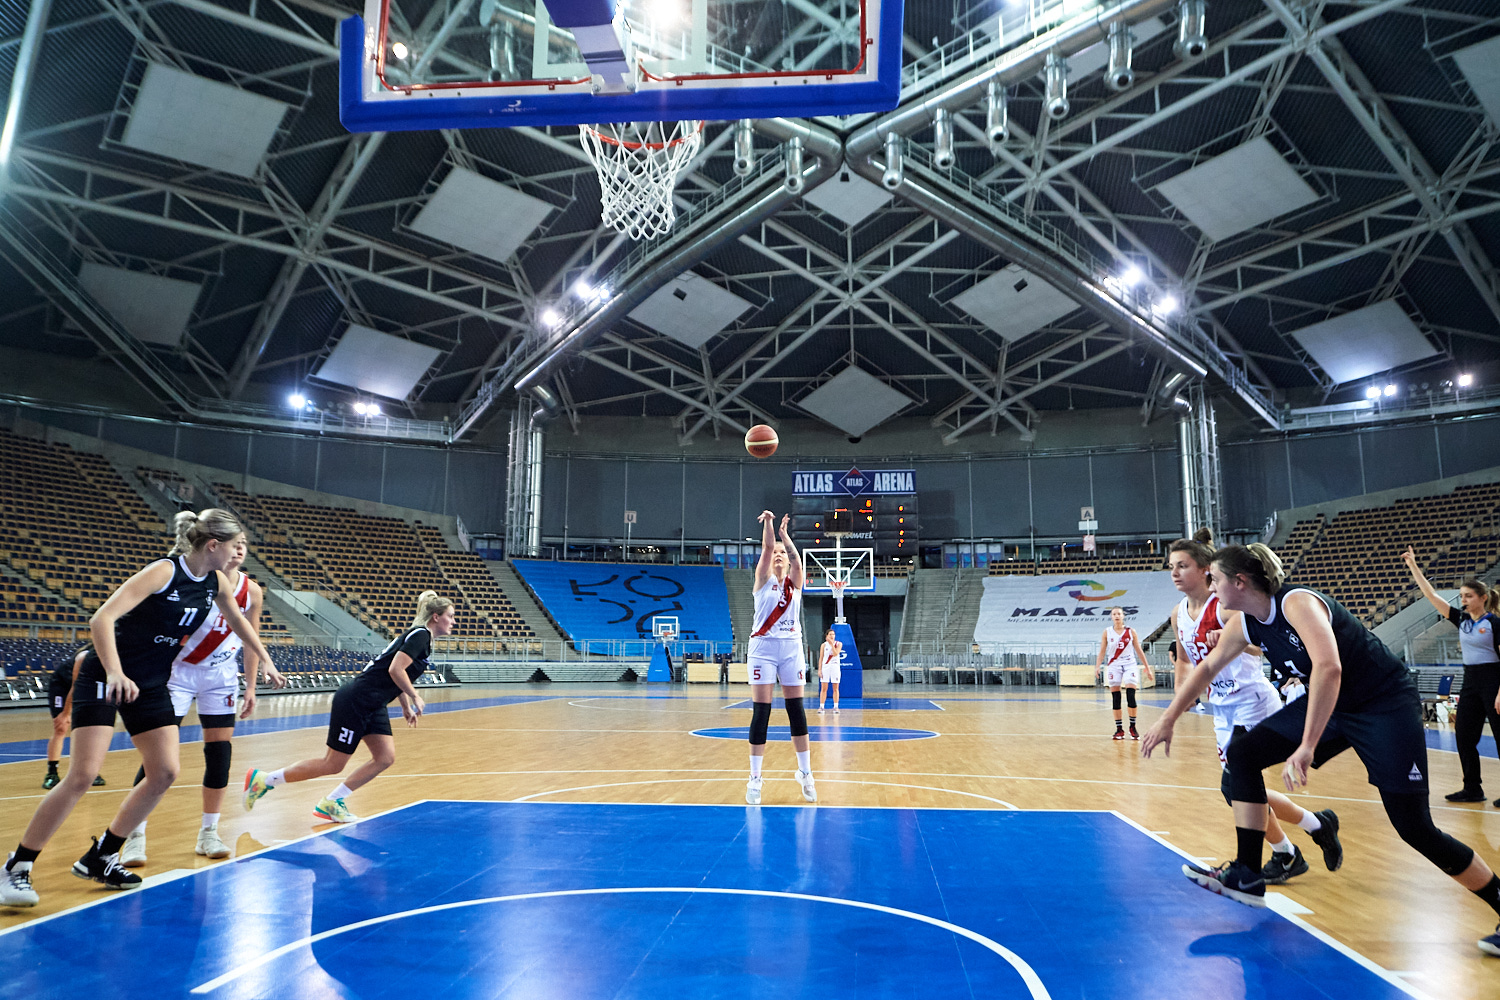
(359, 714)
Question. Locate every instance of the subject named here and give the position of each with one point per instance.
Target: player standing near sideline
(136, 633)
(830, 670)
(1241, 697)
(60, 704)
(1358, 695)
(1123, 667)
(776, 654)
(205, 671)
(1479, 637)
(360, 713)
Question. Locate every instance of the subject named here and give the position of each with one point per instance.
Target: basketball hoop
(837, 586)
(638, 164)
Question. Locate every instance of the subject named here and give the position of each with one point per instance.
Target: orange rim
(624, 144)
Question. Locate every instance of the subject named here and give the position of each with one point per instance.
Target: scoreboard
(882, 506)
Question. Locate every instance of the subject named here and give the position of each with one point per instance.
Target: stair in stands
(739, 585)
(524, 601)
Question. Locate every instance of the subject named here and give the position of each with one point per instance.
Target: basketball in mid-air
(761, 441)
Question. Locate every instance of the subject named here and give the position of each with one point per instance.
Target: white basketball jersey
(1242, 676)
(778, 610)
(1117, 653)
(830, 655)
(213, 644)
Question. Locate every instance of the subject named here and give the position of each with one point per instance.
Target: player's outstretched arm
(794, 559)
(1231, 644)
(767, 543)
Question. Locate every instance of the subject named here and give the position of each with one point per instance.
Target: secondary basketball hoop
(638, 164)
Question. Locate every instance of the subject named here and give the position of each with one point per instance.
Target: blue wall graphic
(607, 604)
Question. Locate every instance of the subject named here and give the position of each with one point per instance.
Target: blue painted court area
(1443, 739)
(822, 734)
(465, 900)
(882, 704)
(24, 750)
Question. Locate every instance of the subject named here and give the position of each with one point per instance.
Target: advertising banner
(1064, 613)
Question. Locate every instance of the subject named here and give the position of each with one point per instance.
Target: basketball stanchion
(638, 164)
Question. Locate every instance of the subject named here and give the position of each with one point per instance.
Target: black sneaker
(1327, 837)
(98, 781)
(1491, 945)
(1284, 866)
(1119, 734)
(105, 869)
(1465, 795)
(51, 780)
(1231, 880)
(1133, 734)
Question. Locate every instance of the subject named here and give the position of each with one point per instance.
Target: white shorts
(829, 674)
(774, 661)
(215, 689)
(1248, 709)
(1118, 676)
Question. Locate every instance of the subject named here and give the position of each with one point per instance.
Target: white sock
(140, 829)
(210, 820)
(755, 761)
(804, 761)
(276, 778)
(342, 791)
(1309, 822)
(1285, 847)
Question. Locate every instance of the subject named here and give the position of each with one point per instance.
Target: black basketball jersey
(149, 635)
(1371, 672)
(374, 684)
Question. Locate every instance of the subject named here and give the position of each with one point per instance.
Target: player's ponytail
(1200, 548)
(429, 606)
(1255, 562)
(195, 530)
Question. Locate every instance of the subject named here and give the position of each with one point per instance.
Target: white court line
(832, 781)
(1027, 973)
(1285, 914)
(158, 880)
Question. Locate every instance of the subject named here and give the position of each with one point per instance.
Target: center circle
(822, 734)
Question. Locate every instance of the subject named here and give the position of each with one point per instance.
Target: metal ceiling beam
(1035, 387)
(20, 81)
(311, 43)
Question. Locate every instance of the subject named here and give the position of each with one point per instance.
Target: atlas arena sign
(854, 483)
(1069, 611)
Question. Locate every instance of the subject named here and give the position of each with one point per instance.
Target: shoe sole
(89, 878)
(1489, 949)
(26, 904)
(330, 819)
(213, 855)
(1218, 888)
(133, 862)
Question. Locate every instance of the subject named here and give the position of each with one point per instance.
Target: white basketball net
(638, 164)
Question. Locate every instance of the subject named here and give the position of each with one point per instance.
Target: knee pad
(140, 775)
(1246, 783)
(1412, 818)
(760, 722)
(216, 756)
(1226, 787)
(796, 716)
(1130, 697)
(1114, 696)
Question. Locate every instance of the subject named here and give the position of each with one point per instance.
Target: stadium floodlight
(1056, 99)
(400, 51)
(1132, 276)
(297, 401)
(942, 139)
(1390, 390)
(744, 147)
(996, 115)
(1192, 28)
(1119, 75)
(1373, 392)
(372, 409)
(894, 170)
(551, 317)
(665, 11)
(360, 408)
(1166, 305)
(1465, 380)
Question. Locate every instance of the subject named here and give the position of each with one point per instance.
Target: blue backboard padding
(502, 107)
(581, 13)
(616, 601)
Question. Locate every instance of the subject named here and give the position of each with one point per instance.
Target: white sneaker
(133, 851)
(209, 844)
(805, 779)
(820, 711)
(752, 791)
(15, 885)
(835, 711)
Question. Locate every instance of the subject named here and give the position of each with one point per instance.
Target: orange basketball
(761, 441)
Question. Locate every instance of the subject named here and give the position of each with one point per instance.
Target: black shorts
(57, 693)
(352, 718)
(152, 708)
(1388, 739)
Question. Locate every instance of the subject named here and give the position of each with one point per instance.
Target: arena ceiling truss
(1362, 102)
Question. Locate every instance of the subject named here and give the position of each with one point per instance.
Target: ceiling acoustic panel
(150, 307)
(690, 309)
(849, 198)
(188, 118)
(1480, 65)
(1238, 190)
(470, 211)
(854, 401)
(1014, 302)
(1365, 342)
(376, 362)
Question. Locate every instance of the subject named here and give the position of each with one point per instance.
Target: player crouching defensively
(359, 714)
(776, 654)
